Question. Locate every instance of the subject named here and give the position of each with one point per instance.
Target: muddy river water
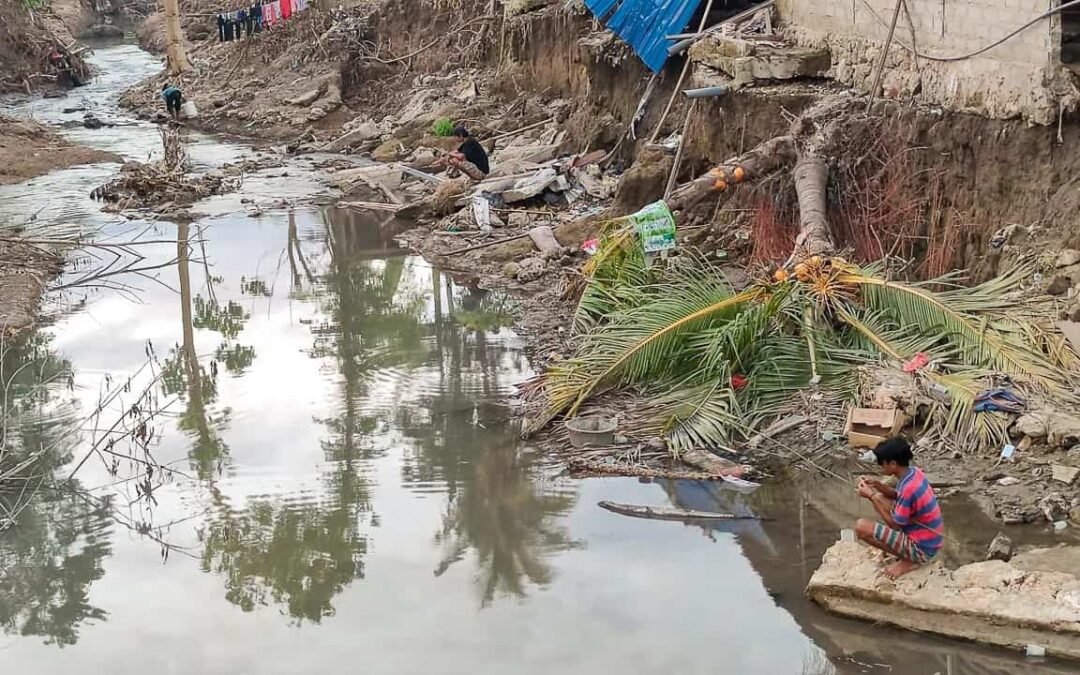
(347, 491)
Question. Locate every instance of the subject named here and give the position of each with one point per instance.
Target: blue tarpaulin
(645, 23)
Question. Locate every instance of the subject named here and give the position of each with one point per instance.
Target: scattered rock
(1008, 480)
(1068, 258)
(1057, 427)
(511, 269)
(1064, 474)
(91, 121)
(389, 151)
(1059, 284)
(519, 219)
(531, 269)
(1001, 548)
(1055, 507)
(308, 97)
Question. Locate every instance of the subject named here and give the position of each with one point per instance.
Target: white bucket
(188, 111)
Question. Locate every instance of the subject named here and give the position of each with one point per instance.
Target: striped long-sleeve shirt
(917, 511)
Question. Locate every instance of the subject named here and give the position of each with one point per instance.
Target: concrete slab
(991, 602)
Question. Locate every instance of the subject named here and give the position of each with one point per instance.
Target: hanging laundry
(286, 9)
(276, 4)
(299, 6)
(242, 23)
(221, 27)
(256, 17)
(268, 15)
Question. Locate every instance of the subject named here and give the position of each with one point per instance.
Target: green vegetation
(686, 340)
(443, 127)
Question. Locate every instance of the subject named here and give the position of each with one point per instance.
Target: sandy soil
(29, 149)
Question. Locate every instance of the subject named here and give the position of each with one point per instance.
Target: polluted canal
(296, 452)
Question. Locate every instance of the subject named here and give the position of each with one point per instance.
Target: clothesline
(264, 14)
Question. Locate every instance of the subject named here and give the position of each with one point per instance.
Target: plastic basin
(593, 430)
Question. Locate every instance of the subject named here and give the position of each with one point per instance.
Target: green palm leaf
(979, 340)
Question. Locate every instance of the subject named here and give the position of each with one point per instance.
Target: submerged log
(669, 513)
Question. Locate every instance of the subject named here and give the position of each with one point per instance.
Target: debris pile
(166, 186)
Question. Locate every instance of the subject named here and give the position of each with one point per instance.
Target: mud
(29, 149)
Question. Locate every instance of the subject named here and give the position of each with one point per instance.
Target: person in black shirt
(470, 157)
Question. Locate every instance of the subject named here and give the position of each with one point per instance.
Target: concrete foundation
(1023, 77)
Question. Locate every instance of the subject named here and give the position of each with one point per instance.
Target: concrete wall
(1021, 77)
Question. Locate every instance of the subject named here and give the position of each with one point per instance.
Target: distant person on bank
(913, 527)
(470, 157)
(174, 98)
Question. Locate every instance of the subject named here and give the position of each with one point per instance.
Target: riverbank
(343, 425)
(29, 149)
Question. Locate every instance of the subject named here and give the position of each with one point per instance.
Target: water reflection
(53, 543)
(48, 563)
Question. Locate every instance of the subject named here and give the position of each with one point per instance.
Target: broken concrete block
(746, 61)
(1064, 474)
(530, 187)
(363, 133)
(999, 602)
(1067, 258)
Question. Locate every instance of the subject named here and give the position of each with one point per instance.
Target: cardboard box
(866, 427)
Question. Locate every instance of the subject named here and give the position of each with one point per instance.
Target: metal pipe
(680, 47)
(707, 92)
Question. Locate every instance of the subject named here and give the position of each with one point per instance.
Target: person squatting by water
(174, 98)
(470, 158)
(913, 526)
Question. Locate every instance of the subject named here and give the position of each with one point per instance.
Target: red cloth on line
(286, 9)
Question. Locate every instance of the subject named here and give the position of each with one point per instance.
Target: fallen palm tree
(711, 362)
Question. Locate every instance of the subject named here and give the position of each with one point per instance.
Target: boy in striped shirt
(913, 527)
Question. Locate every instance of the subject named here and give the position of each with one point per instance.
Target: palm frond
(959, 419)
(641, 344)
(701, 415)
(979, 340)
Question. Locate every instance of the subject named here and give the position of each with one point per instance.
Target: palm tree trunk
(175, 54)
(811, 182)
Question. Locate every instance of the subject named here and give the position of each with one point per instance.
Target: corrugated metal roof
(644, 23)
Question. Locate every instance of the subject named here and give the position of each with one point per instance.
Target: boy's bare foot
(900, 568)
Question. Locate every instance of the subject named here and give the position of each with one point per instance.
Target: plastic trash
(847, 534)
(1007, 451)
(1036, 650)
(869, 456)
(188, 111)
(1060, 525)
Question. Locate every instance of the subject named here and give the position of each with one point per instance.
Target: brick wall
(942, 27)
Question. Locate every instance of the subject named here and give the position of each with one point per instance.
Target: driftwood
(708, 462)
(776, 428)
(669, 513)
(486, 244)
